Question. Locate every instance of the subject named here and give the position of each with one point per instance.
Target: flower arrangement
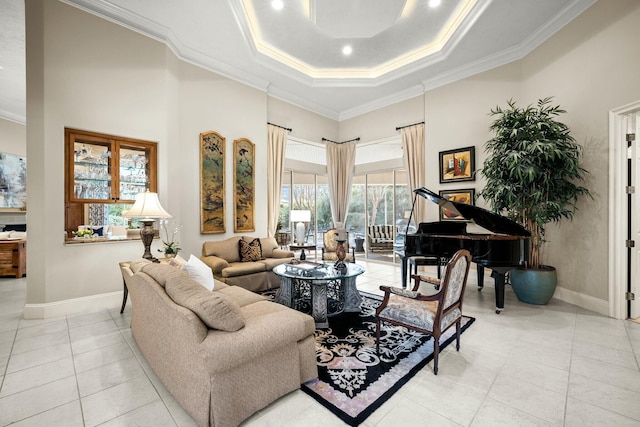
(85, 232)
(170, 246)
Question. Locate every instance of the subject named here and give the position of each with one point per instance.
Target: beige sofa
(261, 351)
(224, 259)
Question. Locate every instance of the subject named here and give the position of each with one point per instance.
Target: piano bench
(416, 261)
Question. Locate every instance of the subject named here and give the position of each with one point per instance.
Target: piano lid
(486, 219)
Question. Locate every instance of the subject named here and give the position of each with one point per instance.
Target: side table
(126, 273)
(308, 247)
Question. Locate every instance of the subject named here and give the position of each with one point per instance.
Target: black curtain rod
(342, 142)
(278, 126)
(402, 127)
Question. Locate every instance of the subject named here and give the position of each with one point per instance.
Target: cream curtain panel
(413, 149)
(341, 159)
(276, 145)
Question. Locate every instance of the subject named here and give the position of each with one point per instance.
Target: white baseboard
(585, 301)
(72, 306)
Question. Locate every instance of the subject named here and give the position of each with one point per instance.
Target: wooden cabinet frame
(105, 172)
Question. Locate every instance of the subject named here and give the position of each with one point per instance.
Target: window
(103, 175)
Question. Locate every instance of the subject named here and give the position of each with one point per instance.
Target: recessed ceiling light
(434, 3)
(347, 50)
(277, 4)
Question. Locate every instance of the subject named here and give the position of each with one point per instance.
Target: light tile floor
(529, 366)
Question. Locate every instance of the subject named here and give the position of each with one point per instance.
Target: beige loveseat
(222, 354)
(224, 259)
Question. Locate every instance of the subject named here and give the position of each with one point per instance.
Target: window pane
(380, 198)
(304, 198)
(325, 221)
(356, 218)
(285, 202)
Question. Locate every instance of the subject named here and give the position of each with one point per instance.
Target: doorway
(624, 212)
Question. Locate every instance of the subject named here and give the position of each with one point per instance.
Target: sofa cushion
(137, 264)
(177, 261)
(215, 309)
(272, 262)
(250, 251)
(161, 272)
(242, 268)
(268, 244)
(225, 249)
(199, 271)
(241, 296)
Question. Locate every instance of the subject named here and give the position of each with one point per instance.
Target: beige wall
(590, 68)
(382, 123)
(303, 123)
(13, 137)
(88, 73)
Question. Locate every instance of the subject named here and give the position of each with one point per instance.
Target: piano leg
(499, 278)
(480, 271)
(403, 269)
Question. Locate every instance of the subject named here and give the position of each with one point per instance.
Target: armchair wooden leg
(436, 350)
(458, 335)
(377, 336)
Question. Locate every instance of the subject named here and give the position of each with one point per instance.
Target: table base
(320, 298)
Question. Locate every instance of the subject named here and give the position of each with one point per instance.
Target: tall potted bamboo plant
(533, 175)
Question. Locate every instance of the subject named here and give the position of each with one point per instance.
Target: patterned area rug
(353, 380)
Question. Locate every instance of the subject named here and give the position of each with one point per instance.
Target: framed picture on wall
(244, 185)
(466, 196)
(212, 178)
(458, 165)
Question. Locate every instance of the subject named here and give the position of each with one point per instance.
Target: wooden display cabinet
(101, 168)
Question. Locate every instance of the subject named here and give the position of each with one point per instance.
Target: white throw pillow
(199, 271)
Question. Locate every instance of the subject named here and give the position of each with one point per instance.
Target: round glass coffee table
(320, 290)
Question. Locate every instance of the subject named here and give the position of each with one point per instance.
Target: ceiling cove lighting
(277, 4)
(434, 3)
(434, 46)
(347, 50)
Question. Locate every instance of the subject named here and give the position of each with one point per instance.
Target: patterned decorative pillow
(250, 251)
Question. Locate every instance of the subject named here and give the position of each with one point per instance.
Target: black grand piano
(503, 246)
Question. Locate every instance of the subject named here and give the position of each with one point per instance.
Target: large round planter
(534, 286)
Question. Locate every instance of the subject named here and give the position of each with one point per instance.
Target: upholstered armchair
(330, 244)
(429, 314)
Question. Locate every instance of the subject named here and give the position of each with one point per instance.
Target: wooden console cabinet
(13, 258)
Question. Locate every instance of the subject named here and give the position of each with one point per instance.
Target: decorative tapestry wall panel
(212, 146)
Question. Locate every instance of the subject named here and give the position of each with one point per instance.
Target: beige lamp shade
(148, 206)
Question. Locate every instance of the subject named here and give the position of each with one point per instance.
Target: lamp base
(341, 253)
(300, 233)
(146, 235)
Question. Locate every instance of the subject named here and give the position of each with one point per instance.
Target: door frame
(618, 209)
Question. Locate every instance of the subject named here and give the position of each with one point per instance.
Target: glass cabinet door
(92, 171)
(134, 172)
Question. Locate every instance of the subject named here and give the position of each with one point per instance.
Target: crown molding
(409, 93)
(8, 115)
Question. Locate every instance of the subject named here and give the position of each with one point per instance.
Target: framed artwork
(13, 182)
(244, 185)
(458, 165)
(212, 146)
(466, 196)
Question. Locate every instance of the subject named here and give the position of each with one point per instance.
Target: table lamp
(300, 217)
(147, 207)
